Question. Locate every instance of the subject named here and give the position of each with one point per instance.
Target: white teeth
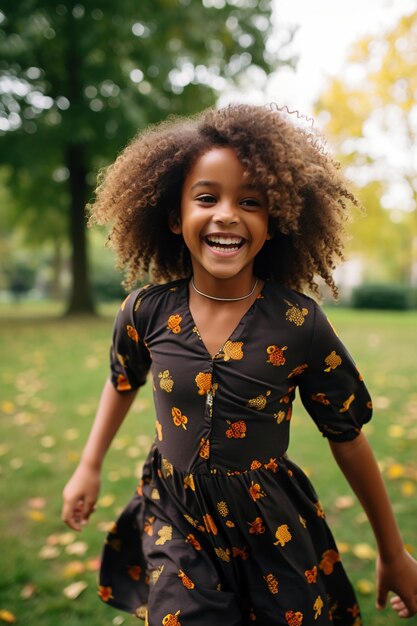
(225, 241)
(222, 249)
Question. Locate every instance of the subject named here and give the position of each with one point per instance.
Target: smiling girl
(233, 214)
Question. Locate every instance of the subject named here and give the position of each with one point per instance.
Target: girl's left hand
(400, 576)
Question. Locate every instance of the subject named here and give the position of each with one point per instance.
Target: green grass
(51, 373)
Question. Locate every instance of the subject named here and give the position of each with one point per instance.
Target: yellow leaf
(47, 553)
(75, 589)
(344, 502)
(78, 547)
(408, 488)
(396, 431)
(36, 516)
(7, 407)
(6, 616)
(73, 569)
(365, 586)
(364, 551)
(395, 471)
(106, 501)
(28, 591)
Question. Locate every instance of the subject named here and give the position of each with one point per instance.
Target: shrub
(381, 296)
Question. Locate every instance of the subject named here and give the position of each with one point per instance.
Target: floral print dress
(224, 527)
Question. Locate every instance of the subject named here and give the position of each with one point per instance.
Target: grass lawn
(51, 373)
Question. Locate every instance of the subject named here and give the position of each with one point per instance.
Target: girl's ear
(174, 223)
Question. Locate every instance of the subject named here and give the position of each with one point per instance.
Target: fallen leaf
(118, 620)
(93, 565)
(71, 434)
(36, 516)
(364, 551)
(396, 431)
(48, 441)
(73, 569)
(28, 591)
(36, 503)
(7, 616)
(345, 502)
(365, 587)
(343, 547)
(4, 449)
(16, 464)
(77, 548)
(7, 407)
(395, 471)
(47, 553)
(75, 589)
(106, 501)
(408, 489)
(62, 539)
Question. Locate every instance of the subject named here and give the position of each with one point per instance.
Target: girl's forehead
(217, 159)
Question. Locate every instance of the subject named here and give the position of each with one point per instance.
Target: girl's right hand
(80, 496)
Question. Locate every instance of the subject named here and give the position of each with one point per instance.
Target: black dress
(224, 528)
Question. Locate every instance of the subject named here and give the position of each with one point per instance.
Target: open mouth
(224, 243)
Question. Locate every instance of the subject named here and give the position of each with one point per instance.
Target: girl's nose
(226, 213)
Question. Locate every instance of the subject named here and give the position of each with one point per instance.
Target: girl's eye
(250, 203)
(206, 198)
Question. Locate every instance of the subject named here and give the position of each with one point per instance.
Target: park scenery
(77, 81)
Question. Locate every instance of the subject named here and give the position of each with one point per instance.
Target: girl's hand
(399, 576)
(80, 496)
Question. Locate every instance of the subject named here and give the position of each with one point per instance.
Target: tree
(371, 114)
(78, 79)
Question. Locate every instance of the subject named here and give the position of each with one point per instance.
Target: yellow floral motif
(272, 465)
(178, 418)
(259, 402)
(317, 606)
(189, 482)
(280, 416)
(122, 359)
(148, 525)
(155, 494)
(222, 508)
(282, 535)
(332, 361)
(255, 465)
(167, 468)
(328, 559)
(209, 524)
(232, 350)
(132, 333)
(256, 491)
(272, 583)
(158, 427)
(164, 534)
(105, 593)
(204, 448)
(319, 510)
(286, 399)
(311, 575)
(155, 574)
(236, 430)
(257, 526)
(242, 552)
(294, 618)
(295, 314)
(302, 521)
(187, 582)
(276, 355)
(171, 620)
(203, 382)
(142, 613)
(223, 554)
(297, 371)
(347, 403)
(165, 381)
(174, 322)
(122, 306)
(230, 524)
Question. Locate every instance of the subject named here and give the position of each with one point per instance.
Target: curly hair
(307, 195)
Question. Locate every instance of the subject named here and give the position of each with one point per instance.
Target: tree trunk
(81, 300)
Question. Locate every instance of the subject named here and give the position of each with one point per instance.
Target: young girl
(232, 213)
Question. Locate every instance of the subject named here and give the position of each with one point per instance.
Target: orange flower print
(347, 403)
(280, 416)
(122, 383)
(257, 526)
(148, 525)
(332, 361)
(243, 553)
(187, 582)
(132, 333)
(178, 418)
(193, 541)
(294, 618)
(311, 575)
(302, 521)
(134, 572)
(319, 510)
(272, 465)
(298, 370)
(158, 427)
(171, 620)
(286, 399)
(209, 524)
(259, 402)
(232, 350)
(328, 559)
(255, 465)
(203, 382)
(105, 593)
(122, 306)
(205, 448)
(174, 322)
(320, 397)
(354, 610)
(237, 429)
(317, 606)
(295, 314)
(272, 583)
(229, 523)
(189, 482)
(282, 535)
(276, 356)
(256, 491)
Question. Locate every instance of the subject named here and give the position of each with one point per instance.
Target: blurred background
(77, 81)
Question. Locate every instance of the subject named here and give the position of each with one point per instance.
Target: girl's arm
(81, 491)
(396, 569)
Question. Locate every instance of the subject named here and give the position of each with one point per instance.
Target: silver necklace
(206, 295)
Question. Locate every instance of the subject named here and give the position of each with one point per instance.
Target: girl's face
(224, 219)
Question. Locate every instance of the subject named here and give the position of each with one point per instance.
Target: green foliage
(381, 296)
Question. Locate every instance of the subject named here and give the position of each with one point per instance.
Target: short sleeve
(129, 357)
(331, 387)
